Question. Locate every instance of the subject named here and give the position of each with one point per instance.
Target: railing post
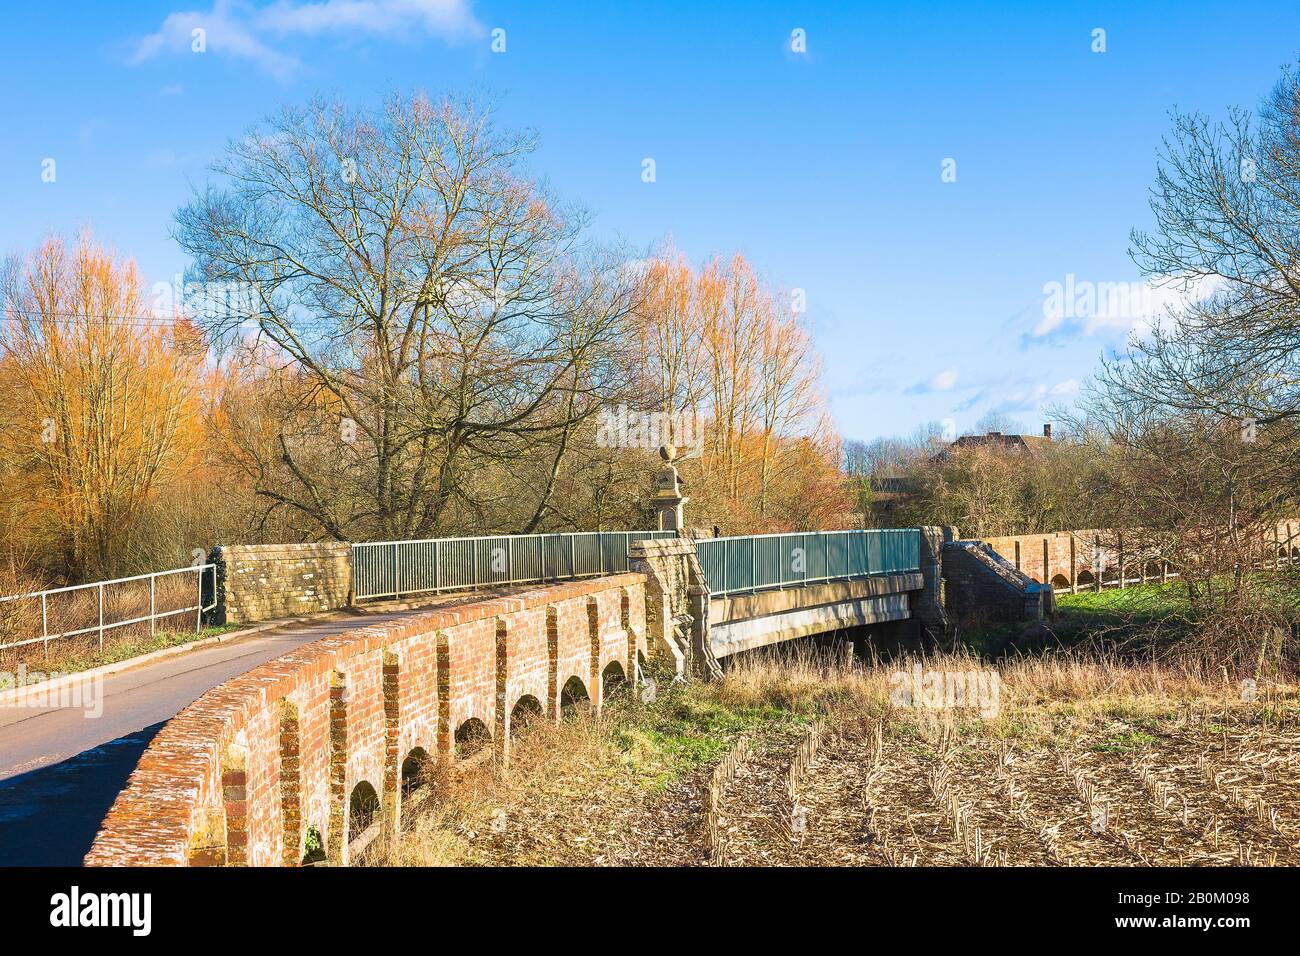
(397, 571)
(198, 611)
(45, 627)
(437, 567)
(101, 618)
(153, 611)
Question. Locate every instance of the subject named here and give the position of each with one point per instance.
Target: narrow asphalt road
(61, 769)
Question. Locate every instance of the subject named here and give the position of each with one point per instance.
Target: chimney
(1047, 431)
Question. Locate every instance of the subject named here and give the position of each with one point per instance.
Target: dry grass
(21, 620)
(1086, 762)
(571, 796)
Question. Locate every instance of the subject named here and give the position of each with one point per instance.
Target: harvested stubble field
(1084, 764)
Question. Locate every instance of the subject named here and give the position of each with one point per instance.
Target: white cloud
(1107, 307)
(944, 381)
(239, 30)
(381, 17)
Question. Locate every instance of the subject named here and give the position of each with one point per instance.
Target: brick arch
(574, 694)
(414, 767)
(364, 809)
(613, 679)
(524, 712)
(472, 737)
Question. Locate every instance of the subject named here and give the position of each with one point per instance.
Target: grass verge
(113, 652)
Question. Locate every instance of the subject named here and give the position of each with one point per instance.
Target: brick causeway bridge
(323, 747)
(317, 754)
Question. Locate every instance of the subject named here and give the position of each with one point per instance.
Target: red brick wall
(227, 778)
(1069, 554)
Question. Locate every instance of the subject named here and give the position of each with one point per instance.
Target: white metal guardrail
(394, 568)
(98, 608)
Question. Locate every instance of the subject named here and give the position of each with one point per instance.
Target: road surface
(60, 770)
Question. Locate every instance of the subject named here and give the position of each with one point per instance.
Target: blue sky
(824, 167)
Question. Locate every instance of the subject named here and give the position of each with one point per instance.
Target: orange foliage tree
(103, 404)
(725, 349)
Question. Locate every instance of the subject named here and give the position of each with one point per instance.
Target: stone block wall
(677, 604)
(261, 582)
(245, 772)
(929, 605)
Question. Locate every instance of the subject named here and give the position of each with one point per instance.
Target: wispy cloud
(447, 18)
(1020, 398)
(945, 381)
(1075, 307)
(244, 31)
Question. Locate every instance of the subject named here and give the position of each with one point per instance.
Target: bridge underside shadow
(747, 622)
(49, 817)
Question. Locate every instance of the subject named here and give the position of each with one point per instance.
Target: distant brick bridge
(1067, 559)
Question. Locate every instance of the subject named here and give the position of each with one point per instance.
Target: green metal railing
(755, 562)
(392, 568)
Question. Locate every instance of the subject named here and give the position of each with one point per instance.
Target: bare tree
(425, 313)
(1227, 209)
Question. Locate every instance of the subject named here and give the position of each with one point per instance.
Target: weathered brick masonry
(261, 582)
(1066, 559)
(245, 772)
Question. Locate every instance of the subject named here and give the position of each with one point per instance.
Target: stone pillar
(668, 498)
(929, 605)
(664, 563)
(290, 789)
(704, 664)
(234, 795)
(677, 605)
(336, 839)
(390, 799)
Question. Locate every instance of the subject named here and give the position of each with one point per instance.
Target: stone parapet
(261, 582)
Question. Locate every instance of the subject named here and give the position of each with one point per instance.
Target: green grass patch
(1142, 602)
(687, 728)
(1112, 613)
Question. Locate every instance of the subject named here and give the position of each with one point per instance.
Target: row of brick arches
(1069, 559)
(318, 754)
(472, 741)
